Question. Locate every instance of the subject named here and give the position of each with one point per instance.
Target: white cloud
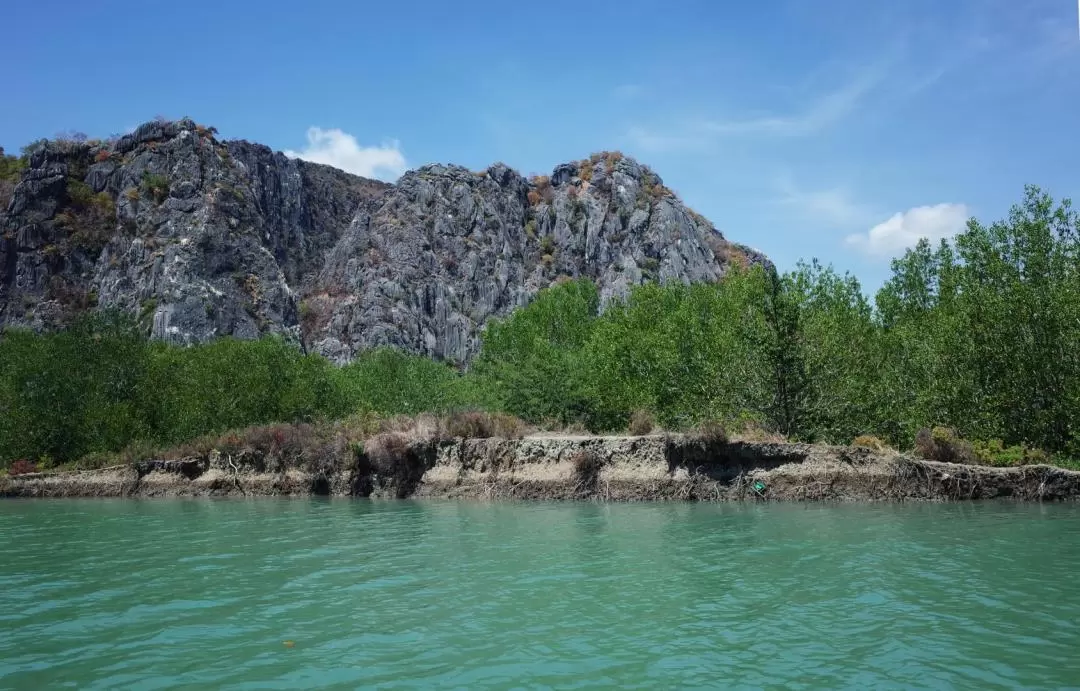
(904, 230)
(341, 150)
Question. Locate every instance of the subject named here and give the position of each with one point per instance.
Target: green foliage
(11, 167)
(823, 348)
(532, 361)
(994, 452)
(71, 392)
(389, 382)
(687, 353)
(100, 386)
(157, 186)
(79, 194)
(981, 333)
(231, 383)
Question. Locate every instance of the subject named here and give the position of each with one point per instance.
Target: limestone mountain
(201, 238)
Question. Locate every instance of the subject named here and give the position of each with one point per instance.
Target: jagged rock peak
(201, 238)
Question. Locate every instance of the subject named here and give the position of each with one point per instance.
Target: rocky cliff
(201, 238)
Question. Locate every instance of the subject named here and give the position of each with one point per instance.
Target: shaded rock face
(201, 238)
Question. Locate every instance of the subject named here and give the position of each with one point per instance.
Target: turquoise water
(204, 594)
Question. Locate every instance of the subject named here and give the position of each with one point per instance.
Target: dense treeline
(981, 334)
(101, 385)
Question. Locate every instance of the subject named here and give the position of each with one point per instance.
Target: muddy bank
(582, 468)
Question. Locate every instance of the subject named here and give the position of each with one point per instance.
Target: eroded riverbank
(645, 468)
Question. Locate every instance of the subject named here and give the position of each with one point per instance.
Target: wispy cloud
(341, 150)
(825, 111)
(903, 230)
(833, 206)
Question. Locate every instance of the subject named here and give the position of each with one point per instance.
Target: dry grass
(321, 447)
(22, 467)
(470, 424)
(423, 427)
(869, 441)
(759, 434)
(396, 461)
(275, 448)
(387, 451)
(266, 447)
(587, 466)
(641, 423)
(710, 431)
(482, 425)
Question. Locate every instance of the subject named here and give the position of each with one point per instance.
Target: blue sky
(836, 129)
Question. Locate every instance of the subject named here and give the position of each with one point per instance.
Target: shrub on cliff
(156, 186)
(11, 167)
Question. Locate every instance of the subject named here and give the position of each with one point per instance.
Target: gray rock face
(202, 238)
(198, 238)
(446, 249)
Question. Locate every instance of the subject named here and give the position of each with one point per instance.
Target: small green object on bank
(759, 486)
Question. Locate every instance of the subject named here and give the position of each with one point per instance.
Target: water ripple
(203, 594)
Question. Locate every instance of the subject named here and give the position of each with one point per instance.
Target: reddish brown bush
(945, 445)
(22, 467)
